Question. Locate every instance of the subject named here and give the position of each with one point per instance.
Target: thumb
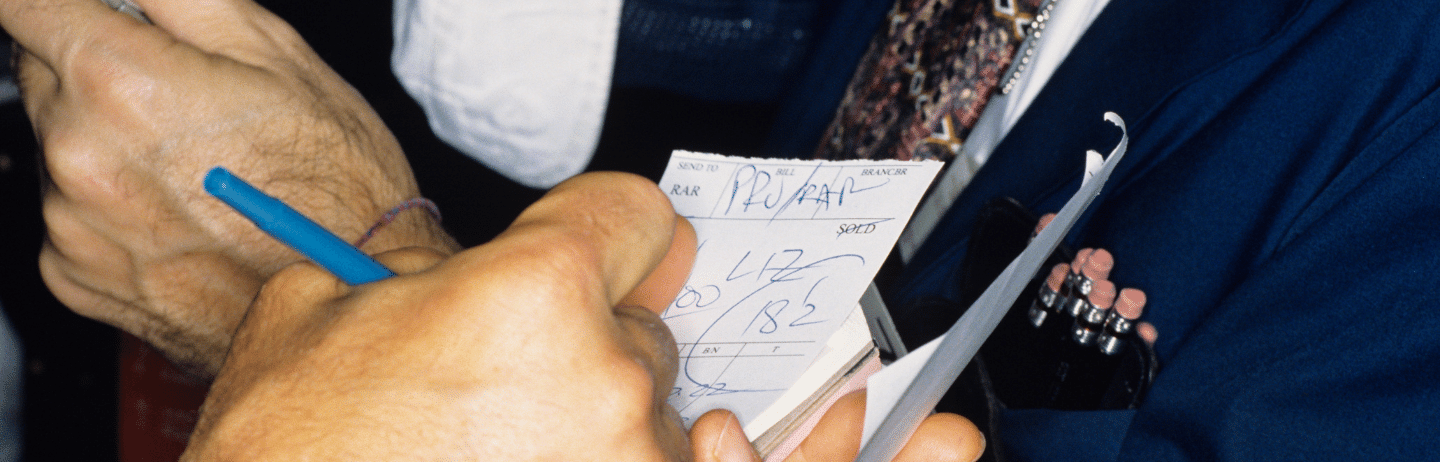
(718, 437)
(658, 289)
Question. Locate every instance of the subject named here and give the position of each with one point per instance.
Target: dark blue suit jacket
(1280, 205)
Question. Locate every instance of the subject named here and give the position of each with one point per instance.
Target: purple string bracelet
(388, 217)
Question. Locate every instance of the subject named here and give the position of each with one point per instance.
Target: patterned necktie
(925, 78)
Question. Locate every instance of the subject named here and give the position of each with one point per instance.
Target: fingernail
(732, 446)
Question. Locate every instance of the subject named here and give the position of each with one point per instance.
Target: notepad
(785, 250)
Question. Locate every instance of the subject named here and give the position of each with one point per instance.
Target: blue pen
(290, 227)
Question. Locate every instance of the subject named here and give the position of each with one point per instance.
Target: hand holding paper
(786, 247)
(494, 298)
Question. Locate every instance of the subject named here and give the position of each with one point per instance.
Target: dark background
(71, 362)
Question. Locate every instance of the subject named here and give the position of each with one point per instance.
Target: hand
(130, 116)
(513, 350)
(520, 349)
(718, 437)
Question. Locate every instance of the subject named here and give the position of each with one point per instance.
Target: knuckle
(72, 164)
(629, 391)
(75, 240)
(35, 79)
(294, 283)
(606, 223)
(55, 273)
(556, 267)
(86, 178)
(296, 276)
(95, 63)
(565, 255)
(653, 342)
(611, 198)
(625, 195)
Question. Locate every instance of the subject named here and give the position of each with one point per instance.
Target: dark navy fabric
(808, 105)
(796, 53)
(1279, 204)
(1096, 435)
(743, 50)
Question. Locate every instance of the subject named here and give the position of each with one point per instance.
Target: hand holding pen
(130, 116)
(480, 350)
(294, 230)
(509, 325)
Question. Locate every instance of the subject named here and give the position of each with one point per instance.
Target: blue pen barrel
(295, 230)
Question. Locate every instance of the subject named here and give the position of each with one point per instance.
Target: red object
(159, 404)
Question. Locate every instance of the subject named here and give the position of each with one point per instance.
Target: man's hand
(544, 344)
(718, 437)
(519, 349)
(130, 116)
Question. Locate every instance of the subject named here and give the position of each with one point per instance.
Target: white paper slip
(786, 247)
(903, 394)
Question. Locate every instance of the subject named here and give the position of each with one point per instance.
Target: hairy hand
(520, 349)
(129, 117)
(544, 344)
